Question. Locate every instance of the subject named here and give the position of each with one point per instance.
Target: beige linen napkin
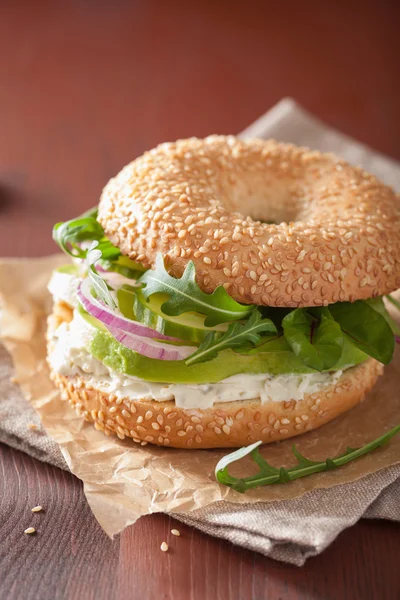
(290, 530)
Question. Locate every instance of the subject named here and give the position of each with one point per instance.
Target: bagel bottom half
(225, 425)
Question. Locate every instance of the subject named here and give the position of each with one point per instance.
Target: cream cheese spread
(70, 357)
(64, 287)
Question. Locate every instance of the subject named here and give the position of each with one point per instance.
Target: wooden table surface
(84, 88)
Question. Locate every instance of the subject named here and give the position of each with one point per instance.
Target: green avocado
(188, 327)
(274, 357)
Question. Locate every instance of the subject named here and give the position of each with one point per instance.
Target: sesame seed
(192, 221)
(30, 530)
(36, 509)
(164, 547)
(175, 532)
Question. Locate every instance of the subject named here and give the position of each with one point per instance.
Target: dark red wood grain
(85, 87)
(71, 558)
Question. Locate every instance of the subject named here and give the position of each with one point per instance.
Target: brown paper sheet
(123, 481)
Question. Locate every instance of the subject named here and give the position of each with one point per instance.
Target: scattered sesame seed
(175, 532)
(36, 509)
(30, 530)
(164, 547)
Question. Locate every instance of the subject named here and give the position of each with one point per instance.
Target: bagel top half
(276, 224)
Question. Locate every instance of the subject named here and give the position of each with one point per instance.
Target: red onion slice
(111, 320)
(150, 348)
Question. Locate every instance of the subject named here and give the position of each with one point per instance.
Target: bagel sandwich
(225, 292)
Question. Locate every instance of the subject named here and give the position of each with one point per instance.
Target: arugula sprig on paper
(268, 474)
(186, 296)
(237, 335)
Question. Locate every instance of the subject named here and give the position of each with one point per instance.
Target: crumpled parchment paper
(123, 481)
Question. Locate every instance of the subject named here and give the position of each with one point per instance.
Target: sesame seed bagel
(334, 234)
(225, 425)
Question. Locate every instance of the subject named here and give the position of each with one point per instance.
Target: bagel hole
(271, 204)
(266, 222)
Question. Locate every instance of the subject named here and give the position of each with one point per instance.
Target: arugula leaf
(268, 474)
(71, 234)
(237, 335)
(366, 328)
(186, 296)
(100, 286)
(318, 342)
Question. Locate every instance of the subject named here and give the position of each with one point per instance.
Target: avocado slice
(189, 326)
(273, 357)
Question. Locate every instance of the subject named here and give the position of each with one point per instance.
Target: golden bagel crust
(337, 236)
(225, 425)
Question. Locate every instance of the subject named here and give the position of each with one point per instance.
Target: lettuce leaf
(378, 305)
(366, 328)
(314, 338)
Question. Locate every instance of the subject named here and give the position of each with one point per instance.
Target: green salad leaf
(268, 474)
(314, 337)
(378, 305)
(366, 327)
(186, 296)
(99, 285)
(70, 235)
(393, 301)
(237, 335)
